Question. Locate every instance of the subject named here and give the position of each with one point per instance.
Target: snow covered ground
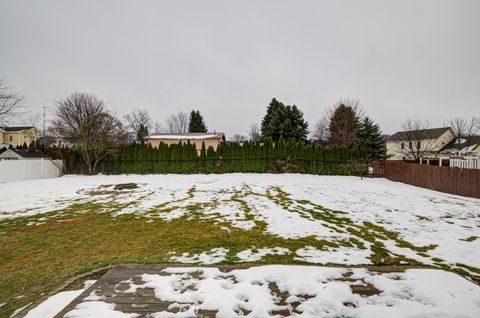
(411, 223)
(54, 304)
(283, 290)
(364, 220)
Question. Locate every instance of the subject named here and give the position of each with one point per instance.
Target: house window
(418, 144)
(402, 145)
(410, 145)
(10, 138)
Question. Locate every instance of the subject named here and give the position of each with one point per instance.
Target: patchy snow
(19, 310)
(342, 255)
(252, 255)
(95, 309)
(54, 304)
(215, 255)
(301, 291)
(290, 206)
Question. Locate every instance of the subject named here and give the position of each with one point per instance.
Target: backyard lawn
(54, 229)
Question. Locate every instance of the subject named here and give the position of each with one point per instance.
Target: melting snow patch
(19, 310)
(252, 255)
(340, 255)
(93, 309)
(54, 304)
(215, 255)
(307, 291)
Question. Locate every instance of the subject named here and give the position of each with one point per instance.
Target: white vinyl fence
(465, 163)
(11, 170)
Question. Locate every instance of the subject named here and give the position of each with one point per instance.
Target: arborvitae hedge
(295, 157)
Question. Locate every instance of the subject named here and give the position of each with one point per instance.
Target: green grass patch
(470, 239)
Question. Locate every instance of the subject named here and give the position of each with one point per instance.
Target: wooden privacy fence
(452, 180)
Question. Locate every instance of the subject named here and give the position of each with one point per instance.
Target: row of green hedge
(297, 157)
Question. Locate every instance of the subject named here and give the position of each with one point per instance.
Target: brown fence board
(459, 181)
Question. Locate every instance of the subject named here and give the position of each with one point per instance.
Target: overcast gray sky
(229, 58)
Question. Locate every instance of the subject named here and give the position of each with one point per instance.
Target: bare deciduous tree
(322, 132)
(177, 123)
(84, 120)
(139, 121)
(31, 119)
(10, 103)
(416, 140)
(157, 127)
(464, 129)
(238, 138)
(254, 132)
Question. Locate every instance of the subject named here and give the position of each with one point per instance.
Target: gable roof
(16, 128)
(29, 153)
(467, 145)
(432, 133)
(186, 136)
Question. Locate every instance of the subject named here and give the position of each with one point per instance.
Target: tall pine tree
(197, 124)
(370, 136)
(286, 121)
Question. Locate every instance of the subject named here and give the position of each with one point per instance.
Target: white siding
(12, 170)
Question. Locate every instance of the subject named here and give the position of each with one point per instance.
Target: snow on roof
(462, 145)
(186, 136)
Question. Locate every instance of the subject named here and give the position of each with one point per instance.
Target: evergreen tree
(142, 132)
(299, 125)
(370, 136)
(286, 121)
(203, 152)
(197, 124)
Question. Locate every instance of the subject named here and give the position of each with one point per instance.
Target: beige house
(419, 144)
(17, 136)
(210, 139)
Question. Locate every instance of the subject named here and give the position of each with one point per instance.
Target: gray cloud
(229, 58)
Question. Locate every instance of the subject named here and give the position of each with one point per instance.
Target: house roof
(16, 128)
(30, 153)
(432, 133)
(187, 136)
(464, 145)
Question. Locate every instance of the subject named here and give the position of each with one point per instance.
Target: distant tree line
(98, 135)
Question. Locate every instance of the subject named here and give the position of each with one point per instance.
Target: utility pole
(44, 127)
(44, 107)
